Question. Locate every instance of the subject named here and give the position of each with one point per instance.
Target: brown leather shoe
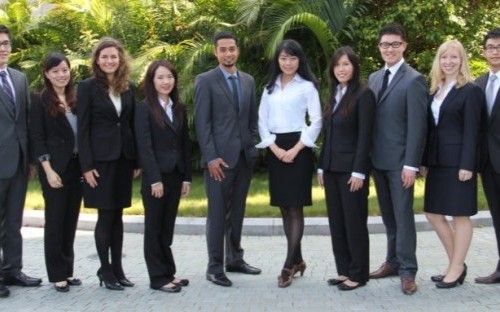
(493, 278)
(385, 270)
(408, 285)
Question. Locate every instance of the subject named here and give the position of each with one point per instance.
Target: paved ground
(257, 293)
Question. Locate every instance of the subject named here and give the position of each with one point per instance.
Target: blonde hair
(437, 75)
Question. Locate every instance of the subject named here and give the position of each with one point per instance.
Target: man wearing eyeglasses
(398, 142)
(490, 153)
(14, 103)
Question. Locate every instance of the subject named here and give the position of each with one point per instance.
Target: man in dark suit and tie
(490, 83)
(399, 135)
(226, 126)
(14, 105)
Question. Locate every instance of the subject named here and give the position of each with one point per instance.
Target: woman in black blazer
(53, 140)
(344, 168)
(164, 152)
(450, 157)
(107, 153)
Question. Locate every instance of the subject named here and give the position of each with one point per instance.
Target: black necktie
(385, 82)
(8, 90)
(233, 78)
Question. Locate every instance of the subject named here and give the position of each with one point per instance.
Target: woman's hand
(186, 188)
(90, 177)
(54, 179)
(319, 177)
(157, 190)
(464, 175)
(355, 184)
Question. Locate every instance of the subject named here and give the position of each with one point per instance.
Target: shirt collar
(297, 78)
(162, 102)
(394, 68)
(227, 74)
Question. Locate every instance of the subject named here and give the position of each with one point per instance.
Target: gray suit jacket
(13, 128)
(401, 119)
(223, 130)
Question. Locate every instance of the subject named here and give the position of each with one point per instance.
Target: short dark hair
(492, 34)
(225, 35)
(5, 30)
(392, 29)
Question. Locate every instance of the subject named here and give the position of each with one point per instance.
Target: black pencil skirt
(290, 183)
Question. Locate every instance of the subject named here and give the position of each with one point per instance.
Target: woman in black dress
(164, 152)
(290, 95)
(53, 140)
(450, 157)
(343, 168)
(106, 144)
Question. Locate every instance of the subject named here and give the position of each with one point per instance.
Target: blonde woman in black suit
(344, 168)
(107, 153)
(164, 152)
(450, 157)
(52, 131)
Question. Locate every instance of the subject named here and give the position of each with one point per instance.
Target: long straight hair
(148, 87)
(293, 48)
(55, 105)
(348, 100)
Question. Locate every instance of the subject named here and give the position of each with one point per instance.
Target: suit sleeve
(147, 158)
(253, 116)
(83, 97)
(186, 149)
(416, 101)
(471, 128)
(37, 135)
(366, 112)
(203, 118)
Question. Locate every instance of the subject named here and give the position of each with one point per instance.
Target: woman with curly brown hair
(107, 153)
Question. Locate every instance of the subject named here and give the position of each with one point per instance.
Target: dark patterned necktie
(8, 90)
(385, 82)
(236, 97)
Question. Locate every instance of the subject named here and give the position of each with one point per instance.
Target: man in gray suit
(399, 135)
(226, 126)
(14, 104)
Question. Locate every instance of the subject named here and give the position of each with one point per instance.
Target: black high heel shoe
(125, 282)
(112, 285)
(459, 280)
(437, 278)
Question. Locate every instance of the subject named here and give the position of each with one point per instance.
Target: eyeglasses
(5, 44)
(491, 48)
(386, 45)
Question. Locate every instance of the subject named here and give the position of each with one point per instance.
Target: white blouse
(285, 111)
(436, 103)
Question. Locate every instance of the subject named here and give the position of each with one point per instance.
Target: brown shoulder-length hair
(148, 87)
(55, 105)
(352, 86)
(120, 82)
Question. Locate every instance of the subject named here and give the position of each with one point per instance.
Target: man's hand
(215, 168)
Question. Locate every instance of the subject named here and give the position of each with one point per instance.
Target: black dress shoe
(74, 281)
(125, 282)
(335, 281)
(4, 291)
(21, 279)
(219, 279)
(108, 283)
(62, 288)
(243, 268)
(173, 289)
(455, 283)
(181, 282)
(343, 286)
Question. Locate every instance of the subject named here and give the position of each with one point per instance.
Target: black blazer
(161, 149)
(49, 134)
(490, 134)
(347, 139)
(454, 141)
(102, 134)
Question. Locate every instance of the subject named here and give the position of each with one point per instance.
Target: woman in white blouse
(289, 100)
(450, 157)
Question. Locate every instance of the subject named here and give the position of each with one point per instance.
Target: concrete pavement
(257, 293)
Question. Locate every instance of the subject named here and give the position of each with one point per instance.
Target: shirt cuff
(410, 168)
(266, 141)
(358, 175)
(306, 140)
(155, 184)
(186, 182)
(320, 171)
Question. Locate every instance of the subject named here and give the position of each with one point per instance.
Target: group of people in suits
(392, 128)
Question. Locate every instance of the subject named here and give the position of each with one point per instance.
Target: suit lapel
(376, 84)
(60, 119)
(397, 77)
(221, 80)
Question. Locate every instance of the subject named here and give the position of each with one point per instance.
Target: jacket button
(118, 124)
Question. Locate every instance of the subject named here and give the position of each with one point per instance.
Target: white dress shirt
(436, 103)
(285, 111)
(167, 108)
(117, 101)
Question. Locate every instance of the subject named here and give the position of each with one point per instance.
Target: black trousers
(160, 214)
(347, 216)
(12, 196)
(491, 186)
(62, 207)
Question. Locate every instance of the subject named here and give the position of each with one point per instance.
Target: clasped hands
(463, 175)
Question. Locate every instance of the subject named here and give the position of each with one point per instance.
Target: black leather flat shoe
(173, 289)
(343, 286)
(181, 282)
(62, 288)
(335, 281)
